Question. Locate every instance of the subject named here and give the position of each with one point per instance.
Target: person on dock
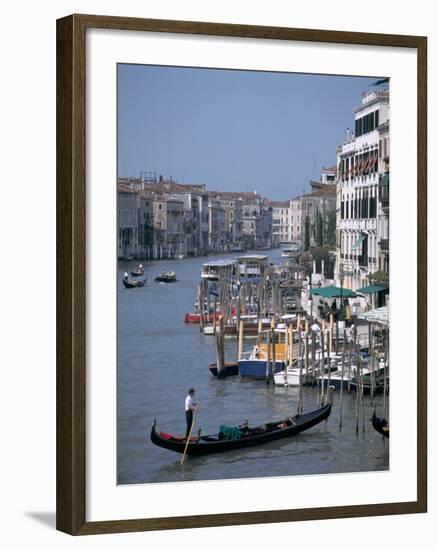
(190, 406)
(315, 328)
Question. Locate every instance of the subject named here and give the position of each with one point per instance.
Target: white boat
(213, 270)
(251, 267)
(291, 375)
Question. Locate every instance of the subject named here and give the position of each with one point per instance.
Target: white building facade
(359, 173)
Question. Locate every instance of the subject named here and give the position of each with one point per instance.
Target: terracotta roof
(279, 204)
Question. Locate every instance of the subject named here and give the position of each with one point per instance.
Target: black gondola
(208, 444)
(380, 425)
(133, 283)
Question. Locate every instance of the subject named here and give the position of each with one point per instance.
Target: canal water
(160, 358)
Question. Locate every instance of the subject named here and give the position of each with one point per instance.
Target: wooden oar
(190, 434)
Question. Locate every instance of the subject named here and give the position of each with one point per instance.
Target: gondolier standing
(190, 406)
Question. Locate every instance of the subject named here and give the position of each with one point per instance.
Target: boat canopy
(219, 263)
(371, 289)
(333, 292)
(378, 315)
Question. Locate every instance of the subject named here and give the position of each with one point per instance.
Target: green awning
(358, 243)
(371, 289)
(332, 292)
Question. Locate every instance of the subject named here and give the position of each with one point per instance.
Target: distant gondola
(166, 277)
(246, 437)
(380, 425)
(138, 272)
(133, 283)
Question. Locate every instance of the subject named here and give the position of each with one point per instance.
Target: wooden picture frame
(71, 269)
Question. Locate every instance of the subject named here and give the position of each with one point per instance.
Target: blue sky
(233, 130)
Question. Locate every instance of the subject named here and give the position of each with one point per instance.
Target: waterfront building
(232, 207)
(328, 175)
(360, 170)
(318, 212)
(295, 220)
(257, 221)
(174, 227)
(216, 226)
(127, 222)
(281, 221)
(383, 204)
(251, 220)
(145, 225)
(265, 241)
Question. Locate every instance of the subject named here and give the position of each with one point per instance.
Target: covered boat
(166, 277)
(229, 438)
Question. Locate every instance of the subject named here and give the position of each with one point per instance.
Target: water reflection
(160, 357)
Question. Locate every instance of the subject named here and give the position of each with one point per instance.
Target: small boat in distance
(166, 277)
(229, 438)
(133, 283)
(138, 272)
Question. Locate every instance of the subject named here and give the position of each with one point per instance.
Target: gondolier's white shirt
(190, 405)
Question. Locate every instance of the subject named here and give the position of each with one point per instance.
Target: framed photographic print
(241, 292)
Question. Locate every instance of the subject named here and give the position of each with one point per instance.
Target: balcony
(384, 190)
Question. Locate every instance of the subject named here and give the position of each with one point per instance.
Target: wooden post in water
(341, 405)
(322, 365)
(287, 355)
(313, 343)
(300, 359)
(240, 340)
(356, 379)
(360, 389)
(385, 367)
(372, 359)
(274, 358)
(306, 351)
(337, 337)
(220, 352)
(268, 355)
(350, 344)
(329, 364)
(201, 304)
(330, 340)
(214, 315)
